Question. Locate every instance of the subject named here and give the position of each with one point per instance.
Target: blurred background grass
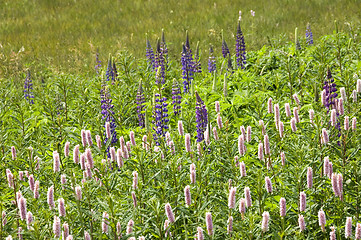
(64, 34)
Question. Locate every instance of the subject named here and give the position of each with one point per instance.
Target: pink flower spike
(293, 124)
(209, 223)
(56, 163)
(348, 227)
(76, 154)
(232, 198)
(309, 177)
(247, 194)
(288, 110)
(200, 235)
(187, 195)
(269, 105)
(13, 152)
(332, 233)
(180, 128)
(265, 221)
(169, 213)
(260, 151)
(78, 193)
(83, 137)
(217, 106)
(132, 138)
(230, 225)
(219, 121)
(56, 226)
(295, 114)
(61, 207)
(242, 168)
(107, 130)
(346, 125)
(66, 149)
(301, 223)
(187, 140)
(50, 197)
(134, 197)
(99, 141)
(354, 123)
(302, 202)
(282, 207)
(89, 138)
(322, 220)
(358, 231)
(22, 207)
(268, 184)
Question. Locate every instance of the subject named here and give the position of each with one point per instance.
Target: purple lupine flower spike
(201, 117)
(107, 112)
(211, 60)
(240, 48)
(188, 65)
(225, 49)
(309, 35)
(160, 62)
(109, 70)
(160, 115)
(150, 55)
(140, 105)
(176, 97)
(28, 88)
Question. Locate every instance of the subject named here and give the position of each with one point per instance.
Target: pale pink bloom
(282, 207)
(207, 137)
(56, 163)
(247, 194)
(265, 221)
(187, 140)
(166, 227)
(83, 137)
(76, 154)
(122, 143)
(325, 138)
(169, 213)
(267, 149)
(88, 171)
(112, 153)
(288, 109)
(56, 226)
(242, 206)
(295, 114)
(193, 176)
(326, 163)
(99, 141)
(31, 182)
(343, 93)
(268, 184)
(354, 96)
(346, 124)
(21, 175)
(297, 100)
(236, 161)
(105, 222)
(119, 158)
(65, 231)
(322, 220)
(61, 207)
(358, 231)
(130, 226)
(276, 114)
(180, 128)
(89, 138)
(348, 227)
(9, 237)
(107, 130)
(309, 177)
(243, 130)
(323, 97)
(260, 151)
(13, 152)
(209, 223)
(134, 199)
(215, 134)
(89, 157)
(187, 195)
(86, 235)
(219, 121)
(253, 13)
(135, 180)
(293, 124)
(330, 169)
(50, 197)
(269, 105)
(334, 183)
(358, 85)
(82, 161)
(340, 185)
(301, 223)
(280, 128)
(22, 207)
(249, 133)
(261, 124)
(200, 235)
(332, 233)
(242, 168)
(241, 145)
(144, 142)
(36, 189)
(217, 106)
(199, 149)
(333, 117)
(283, 158)
(230, 225)
(78, 193)
(311, 114)
(302, 201)
(132, 138)
(232, 198)
(119, 229)
(353, 124)
(29, 219)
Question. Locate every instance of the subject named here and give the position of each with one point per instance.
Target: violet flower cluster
(197, 61)
(160, 116)
(111, 73)
(211, 60)
(201, 118)
(187, 66)
(240, 48)
(28, 88)
(150, 56)
(140, 106)
(108, 113)
(160, 62)
(309, 35)
(177, 97)
(225, 49)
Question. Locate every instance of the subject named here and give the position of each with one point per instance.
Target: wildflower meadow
(232, 144)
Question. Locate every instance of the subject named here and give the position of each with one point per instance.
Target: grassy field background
(64, 35)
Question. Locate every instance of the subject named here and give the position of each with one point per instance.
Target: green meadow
(64, 35)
